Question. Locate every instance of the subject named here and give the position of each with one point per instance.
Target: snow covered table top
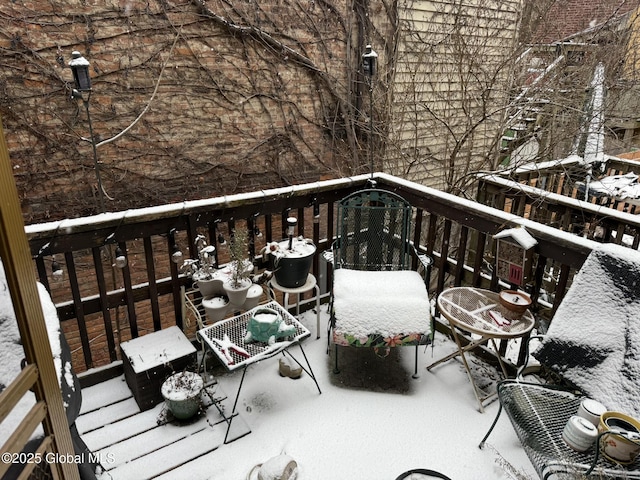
(157, 348)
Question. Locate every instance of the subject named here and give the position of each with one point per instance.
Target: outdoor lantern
(80, 68)
(56, 269)
(514, 255)
(121, 259)
(291, 229)
(369, 60)
(176, 254)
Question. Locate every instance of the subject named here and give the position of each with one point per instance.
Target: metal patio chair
(592, 347)
(378, 301)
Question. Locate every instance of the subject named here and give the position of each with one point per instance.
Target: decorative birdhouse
(514, 255)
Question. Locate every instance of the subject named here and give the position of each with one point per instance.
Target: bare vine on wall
(189, 100)
(195, 99)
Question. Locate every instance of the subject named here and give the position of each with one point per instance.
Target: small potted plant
(290, 259)
(239, 281)
(182, 394)
(202, 270)
(215, 307)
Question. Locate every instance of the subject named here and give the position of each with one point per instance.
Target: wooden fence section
(101, 305)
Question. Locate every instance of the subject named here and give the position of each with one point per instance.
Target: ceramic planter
(208, 287)
(618, 449)
(266, 325)
(253, 297)
(215, 308)
(237, 295)
(181, 393)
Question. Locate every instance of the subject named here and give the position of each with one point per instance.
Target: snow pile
(386, 303)
(594, 338)
(12, 353)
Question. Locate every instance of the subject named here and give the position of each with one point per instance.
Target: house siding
(452, 66)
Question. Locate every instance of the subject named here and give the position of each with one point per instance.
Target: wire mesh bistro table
(468, 309)
(226, 340)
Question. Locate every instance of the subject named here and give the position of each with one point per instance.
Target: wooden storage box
(148, 360)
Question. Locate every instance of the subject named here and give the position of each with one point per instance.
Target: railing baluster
(104, 302)
(444, 254)
(77, 302)
(128, 294)
(561, 287)
(479, 259)
(153, 287)
(462, 250)
(42, 273)
(175, 283)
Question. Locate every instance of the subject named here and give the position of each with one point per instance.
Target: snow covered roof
(520, 235)
(623, 187)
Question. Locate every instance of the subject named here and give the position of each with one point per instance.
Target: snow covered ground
(371, 421)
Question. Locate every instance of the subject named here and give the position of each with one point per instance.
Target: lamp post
(369, 61)
(80, 68)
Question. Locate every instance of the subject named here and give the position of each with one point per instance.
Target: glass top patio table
(468, 309)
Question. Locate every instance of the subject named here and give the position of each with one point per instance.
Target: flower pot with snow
(290, 259)
(238, 283)
(203, 269)
(215, 307)
(237, 292)
(291, 266)
(254, 294)
(182, 394)
(209, 287)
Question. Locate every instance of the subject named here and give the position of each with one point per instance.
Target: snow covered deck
(371, 421)
(132, 444)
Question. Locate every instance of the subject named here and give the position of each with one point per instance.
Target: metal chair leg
(495, 421)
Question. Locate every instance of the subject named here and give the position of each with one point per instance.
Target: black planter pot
(291, 271)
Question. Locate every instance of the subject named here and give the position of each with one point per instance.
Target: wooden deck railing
(546, 198)
(100, 305)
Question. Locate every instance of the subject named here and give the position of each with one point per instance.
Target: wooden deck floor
(134, 445)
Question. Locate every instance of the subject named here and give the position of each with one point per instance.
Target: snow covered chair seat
(593, 343)
(378, 301)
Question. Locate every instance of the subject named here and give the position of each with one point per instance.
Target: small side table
(222, 337)
(467, 309)
(310, 284)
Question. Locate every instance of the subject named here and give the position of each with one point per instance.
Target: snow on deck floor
(344, 433)
(134, 445)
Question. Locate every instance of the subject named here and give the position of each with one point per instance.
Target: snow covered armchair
(378, 300)
(594, 339)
